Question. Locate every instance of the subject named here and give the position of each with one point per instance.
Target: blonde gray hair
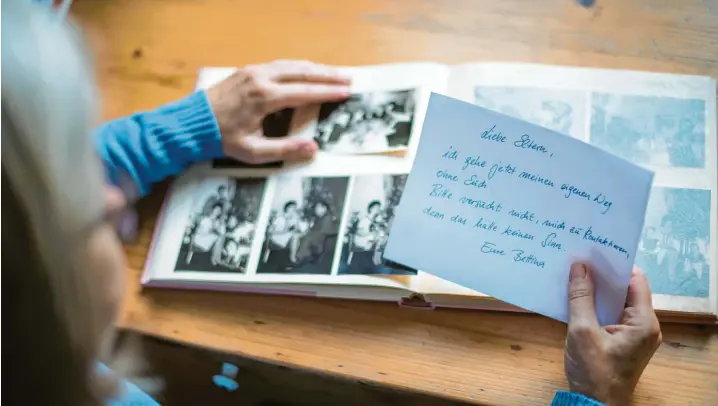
(53, 185)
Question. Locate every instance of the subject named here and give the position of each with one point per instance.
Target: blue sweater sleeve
(130, 394)
(149, 146)
(563, 398)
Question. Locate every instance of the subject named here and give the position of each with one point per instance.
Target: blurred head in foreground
(62, 262)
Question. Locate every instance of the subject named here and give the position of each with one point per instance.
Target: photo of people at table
(559, 110)
(221, 227)
(673, 250)
(367, 123)
(303, 225)
(373, 200)
(650, 130)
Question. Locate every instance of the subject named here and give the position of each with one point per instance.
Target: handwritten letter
(503, 207)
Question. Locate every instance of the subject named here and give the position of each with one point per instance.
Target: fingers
(639, 292)
(124, 220)
(259, 149)
(298, 94)
(305, 71)
(581, 302)
(639, 307)
(127, 226)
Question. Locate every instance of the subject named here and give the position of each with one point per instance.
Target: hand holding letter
(605, 363)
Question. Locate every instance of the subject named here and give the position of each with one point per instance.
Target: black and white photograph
(648, 130)
(303, 225)
(231, 163)
(367, 123)
(221, 227)
(674, 247)
(563, 111)
(373, 200)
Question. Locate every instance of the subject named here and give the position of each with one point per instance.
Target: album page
(321, 222)
(664, 122)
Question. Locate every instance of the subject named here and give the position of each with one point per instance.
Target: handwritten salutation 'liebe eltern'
(502, 206)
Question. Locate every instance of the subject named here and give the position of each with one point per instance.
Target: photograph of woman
(673, 250)
(220, 231)
(373, 201)
(303, 225)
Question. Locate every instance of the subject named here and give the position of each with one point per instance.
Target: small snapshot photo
(367, 123)
(674, 247)
(660, 131)
(563, 111)
(219, 233)
(373, 200)
(230, 163)
(303, 225)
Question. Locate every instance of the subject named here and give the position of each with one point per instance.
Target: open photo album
(319, 228)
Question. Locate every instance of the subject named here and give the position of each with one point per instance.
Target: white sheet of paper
(503, 207)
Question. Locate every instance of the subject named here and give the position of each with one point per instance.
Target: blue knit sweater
(148, 147)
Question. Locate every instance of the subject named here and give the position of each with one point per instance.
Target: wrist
(606, 397)
(618, 400)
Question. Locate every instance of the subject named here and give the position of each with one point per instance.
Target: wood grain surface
(148, 52)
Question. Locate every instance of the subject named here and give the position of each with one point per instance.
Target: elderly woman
(63, 263)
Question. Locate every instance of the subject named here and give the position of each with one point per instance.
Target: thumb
(639, 292)
(581, 302)
(259, 149)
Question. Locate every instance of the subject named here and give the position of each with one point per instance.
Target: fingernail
(128, 226)
(578, 271)
(307, 150)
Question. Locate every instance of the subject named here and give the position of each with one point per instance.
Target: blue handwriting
(451, 154)
(481, 204)
(536, 178)
(474, 181)
(486, 226)
(522, 215)
(527, 143)
(517, 233)
(429, 211)
(490, 248)
(438, 190)
(588, 235)
(501, 168)
(554, 224)
(520, 256)
(599, 199)
(473, 161)
(442, 174)
(491, 135)
(550, 242)
(458, 219)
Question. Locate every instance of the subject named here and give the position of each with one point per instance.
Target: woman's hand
(605, 363)
(243, 100)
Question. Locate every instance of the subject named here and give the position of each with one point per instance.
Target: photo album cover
(319, 228)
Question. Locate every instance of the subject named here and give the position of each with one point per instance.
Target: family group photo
(221, 227)
(559, 110)
(303, 225)
(372, 205)
(649, 130)
(366, 123)
(674, 247)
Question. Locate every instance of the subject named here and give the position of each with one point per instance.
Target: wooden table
(148, 53)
